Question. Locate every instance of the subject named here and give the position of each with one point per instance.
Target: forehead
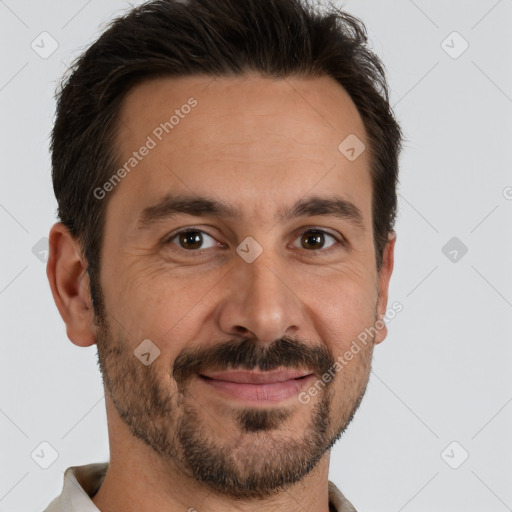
(251, 141)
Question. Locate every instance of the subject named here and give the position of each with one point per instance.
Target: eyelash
(340, 241)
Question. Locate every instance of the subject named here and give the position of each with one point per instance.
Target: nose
(260, 301)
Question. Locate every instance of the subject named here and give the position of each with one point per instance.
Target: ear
(384, 277)
(69, 282)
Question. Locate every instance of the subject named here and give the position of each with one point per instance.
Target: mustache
(249, 354)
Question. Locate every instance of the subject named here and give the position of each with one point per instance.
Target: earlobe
(384, 277)
(69, 282)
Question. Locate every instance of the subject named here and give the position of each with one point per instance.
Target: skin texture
(260, 145)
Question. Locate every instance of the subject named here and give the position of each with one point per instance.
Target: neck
(137, 480)
(140, 480)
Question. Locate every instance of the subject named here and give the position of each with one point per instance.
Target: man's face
(258, 147)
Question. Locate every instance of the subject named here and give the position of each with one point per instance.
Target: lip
(256, 386)
(257, 377)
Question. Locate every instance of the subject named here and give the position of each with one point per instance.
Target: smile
(258, 386)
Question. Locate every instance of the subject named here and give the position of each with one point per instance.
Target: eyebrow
(171, 206)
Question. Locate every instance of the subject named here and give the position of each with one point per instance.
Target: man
(226, 178)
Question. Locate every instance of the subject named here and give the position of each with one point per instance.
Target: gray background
(443, 373)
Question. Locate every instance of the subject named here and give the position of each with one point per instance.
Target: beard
(258, 454)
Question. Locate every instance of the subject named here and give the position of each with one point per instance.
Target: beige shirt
(81, 483)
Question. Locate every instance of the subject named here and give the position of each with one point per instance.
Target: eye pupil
(191, 240)
(313, 237)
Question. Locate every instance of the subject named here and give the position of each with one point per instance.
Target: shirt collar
(81, 483)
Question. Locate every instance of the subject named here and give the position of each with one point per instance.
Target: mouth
(257, 386)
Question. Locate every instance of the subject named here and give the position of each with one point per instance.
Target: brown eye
(191, 239)
(315, 239)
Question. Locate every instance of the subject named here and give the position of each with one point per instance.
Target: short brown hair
(276, 38)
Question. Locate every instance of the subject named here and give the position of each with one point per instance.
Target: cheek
(347, 288)
(342, 309)
(159, 302)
